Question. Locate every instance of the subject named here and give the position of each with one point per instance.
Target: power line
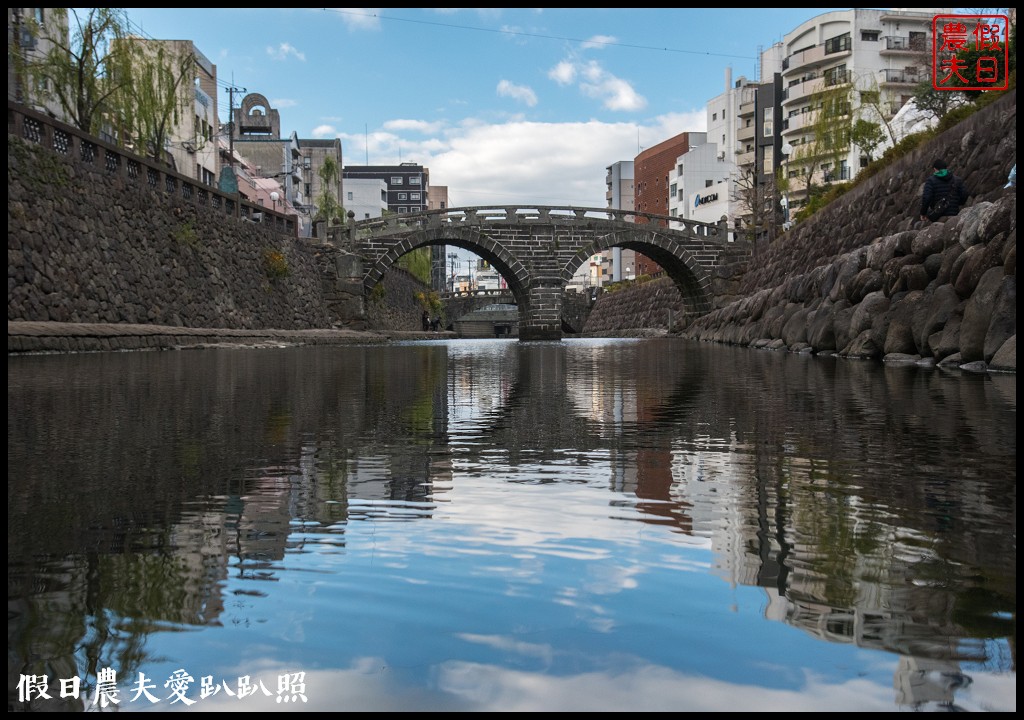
(520, 33)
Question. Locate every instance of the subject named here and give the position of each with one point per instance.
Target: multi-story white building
(366, 197)
(620, 195)
(873, 58)
(701, 185)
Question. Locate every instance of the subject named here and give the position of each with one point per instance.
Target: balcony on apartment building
(832, 49)
(747, 109)
(745, 158)
(798, 181)
(800, 89)
(797, 122)
(745, 134)
(893, 45)
(898, 78)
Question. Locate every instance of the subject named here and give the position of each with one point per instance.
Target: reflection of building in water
(826, 587)
(707, 486)
(919, 681)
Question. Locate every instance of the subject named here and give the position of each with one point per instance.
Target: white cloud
(613, 92)
(522, 93)
(515, 161)
(420, 126)
(529, 162)
(284, 51)
(283, 103)
(599, 42)
(359, 18)
(324, 131)
(563, 73)
(596, 82)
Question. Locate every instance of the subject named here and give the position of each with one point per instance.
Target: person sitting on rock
(943, 194)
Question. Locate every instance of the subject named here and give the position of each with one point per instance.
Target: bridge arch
(501, 258)
(678, 262)
(537, 249)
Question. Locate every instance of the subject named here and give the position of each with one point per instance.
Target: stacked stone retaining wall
(866, 278)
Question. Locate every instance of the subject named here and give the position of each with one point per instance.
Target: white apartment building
(701, 185)
(366, 197)
(879, 55)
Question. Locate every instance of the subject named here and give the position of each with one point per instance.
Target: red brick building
(651, 170)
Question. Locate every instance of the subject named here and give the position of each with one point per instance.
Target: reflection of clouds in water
(499, 642)
(650, 687)
(373, 684)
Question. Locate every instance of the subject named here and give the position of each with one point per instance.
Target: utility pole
(231, 122)
(228, 180)
(454, 258)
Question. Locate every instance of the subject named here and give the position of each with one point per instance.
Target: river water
(492, 525)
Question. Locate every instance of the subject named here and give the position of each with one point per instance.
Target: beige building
(191, 144)
(28, 33)
(255, 133)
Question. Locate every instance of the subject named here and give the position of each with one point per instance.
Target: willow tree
(328, 208)
(156, 93)
(85, 70)
(828, 141)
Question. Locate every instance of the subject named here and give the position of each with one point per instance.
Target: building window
(708, 183)
(38, 12)
(869, 35)
(836, 76)
(714, 116)
(839, 43)
(396, 180)
(349, 194)
(769, 129)
(414, 180)
(403, 209)
(414, 196)
(403, 196)
(767, 162)
(307, 162)
(306, 190)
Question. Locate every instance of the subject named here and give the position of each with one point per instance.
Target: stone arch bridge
(537, 249)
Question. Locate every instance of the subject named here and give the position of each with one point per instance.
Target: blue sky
(503, 105)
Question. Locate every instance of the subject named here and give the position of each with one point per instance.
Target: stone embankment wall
(867, 278)
(394, 305)
(637, 310)
(84, 247)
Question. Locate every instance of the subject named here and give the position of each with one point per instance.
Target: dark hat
(939, 164)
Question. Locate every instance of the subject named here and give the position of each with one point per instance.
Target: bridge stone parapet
(537, 249)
